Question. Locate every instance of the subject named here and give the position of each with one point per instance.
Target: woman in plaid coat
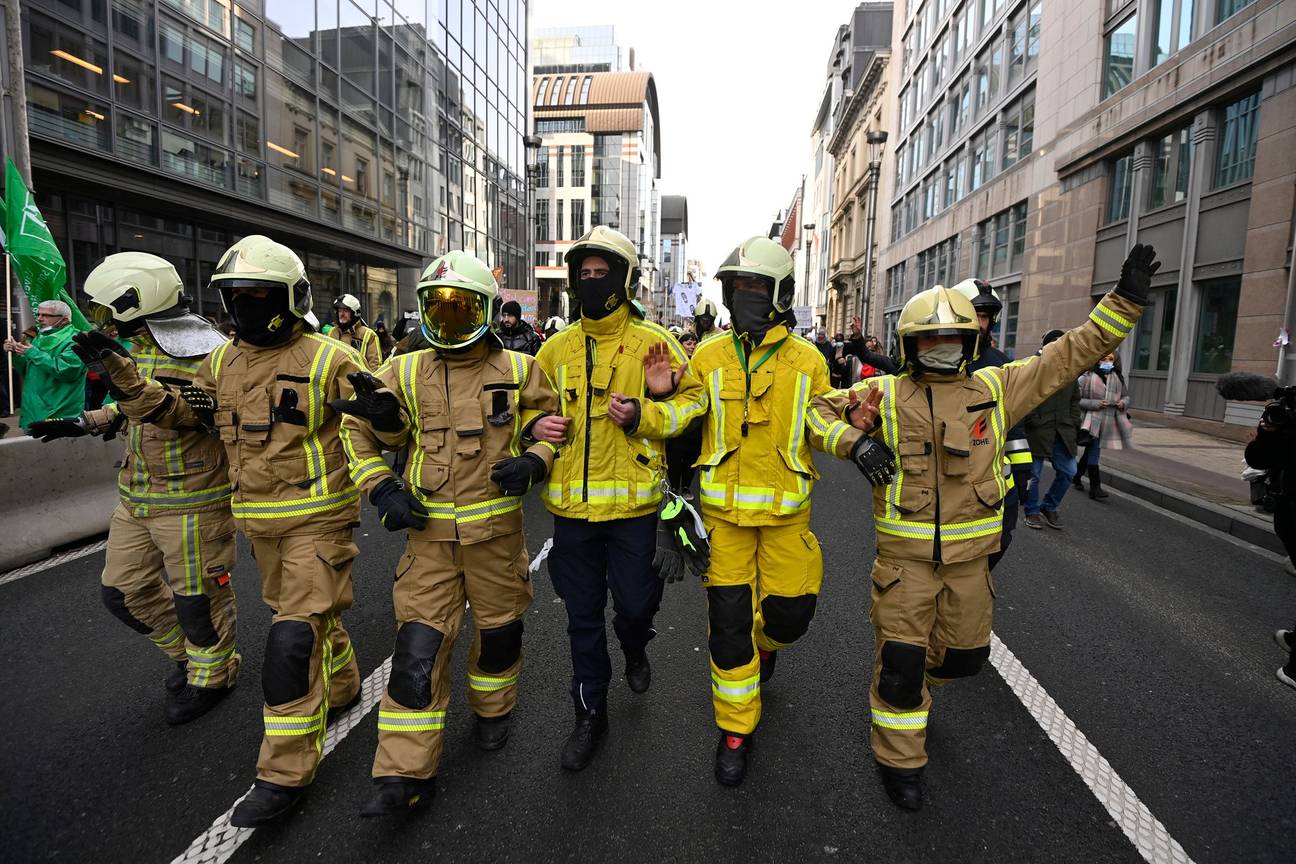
(1105, 425)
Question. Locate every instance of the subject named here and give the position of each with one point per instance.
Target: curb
(1255, 530)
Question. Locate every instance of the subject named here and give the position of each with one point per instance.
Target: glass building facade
(370, 136)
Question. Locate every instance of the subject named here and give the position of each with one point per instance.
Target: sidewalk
(1192, 474)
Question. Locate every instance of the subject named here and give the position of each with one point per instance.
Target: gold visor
(453, 316)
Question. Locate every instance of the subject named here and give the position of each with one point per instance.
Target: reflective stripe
(714, 384)
(906, 720)
(340, 661)
(169, 638)
(410, 721)
(604, 493)
(276, 727)
(301, 507)
(470, 512)
(191, 553)
(518, 366)
(796, 432)
(990, 377)
(742, 690)
(174, 499)
(949, 530)
(1014, 445)
(205, 659)
(1020, 457)
(486, 683)
(218, 357)
(1110, 320)
(315, 413)
(366, 468)
(890, 436)
(755, 497)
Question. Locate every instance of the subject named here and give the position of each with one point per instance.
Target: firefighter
(757, 473)
(465, 411)
(267, 395)
(704, 318)
(1017, 452)
(350, 329)
(931, 441)
(605, 488)
(171, 538)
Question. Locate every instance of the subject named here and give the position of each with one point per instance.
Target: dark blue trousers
(589, 559)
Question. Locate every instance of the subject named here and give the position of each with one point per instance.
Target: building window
(1019, 129)
(1171, 155)
(571, 90)
(542, 169)
(577, 218)
(1118, 56)
(559, 153)
(1216, 324)
(1238, 142)
(1033, 36)
(1005, 332)
(1016, 38)
(578, 164)
(558, 219)
(1172, 29)
(1155, 332)
(542, 220)
(981, 80)
(1118, 200)
(585, 88)
(560, 124)
(1228, 8)
(62, 52)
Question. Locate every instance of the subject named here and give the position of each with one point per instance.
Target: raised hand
(658, 375)
(372, 402)
(1136, 274)
(93, 345)
(863, 415)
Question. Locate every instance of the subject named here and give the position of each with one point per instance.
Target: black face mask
(752, 315)
(262, 322)
(704, 323)
(599, 297)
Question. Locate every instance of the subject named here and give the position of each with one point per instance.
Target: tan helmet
(131, 286)
(938, 311)
(608, 242)
(457, 297)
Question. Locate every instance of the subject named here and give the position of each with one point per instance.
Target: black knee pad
(194, 613)
(115, 601)
(788, 618)
(901, 681)
(285, 673)
(729, 611)
(500, 647)
(961, 662)
(412, 661)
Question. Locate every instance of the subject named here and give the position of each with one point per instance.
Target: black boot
(903, 786)
(731, 758)
(176, 680)
(394, 795)
(492, 732)
(768, 659)
(265, 803)
(638, 673)
(1095, 484)
(193, 702)
(1077, 482)
(590, 728)
(336, 711)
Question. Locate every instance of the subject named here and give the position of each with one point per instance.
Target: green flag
(32, 251)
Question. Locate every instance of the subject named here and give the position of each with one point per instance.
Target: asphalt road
(1154, 636)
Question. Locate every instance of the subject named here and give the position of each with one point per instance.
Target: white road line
(53, 561)
(219, 842)
(1144, 830)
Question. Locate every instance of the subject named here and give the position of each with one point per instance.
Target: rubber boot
(731, 758)
(177, 679)
(1095, 484)
(394, 795)
(193, 702)
(903, 786)
(266, 803)
(492, 732)
(584, 739)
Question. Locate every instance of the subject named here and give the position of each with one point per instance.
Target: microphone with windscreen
(1246, 387)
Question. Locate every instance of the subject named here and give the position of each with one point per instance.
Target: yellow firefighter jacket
(463, 414)
(755, 459)
(948, 434)
(363, 339)
(604, 472)
(167, 470)
(286, 466)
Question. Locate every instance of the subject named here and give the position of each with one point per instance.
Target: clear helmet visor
(452, 316)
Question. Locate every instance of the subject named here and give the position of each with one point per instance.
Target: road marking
(219, 842)
(53, 561)
(1144, 830)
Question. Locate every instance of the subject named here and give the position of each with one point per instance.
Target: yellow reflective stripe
(741, 690)
(990, 377)
(487, 683)
(169, 638)
(1115, 316)
(663, 335)
(315, 415)
(797, 431)
(715, 383)
(364, 469)
(410, 721)
(949, 530)
(890, 436)
(291, 726)
(519, 380)
(340, 661)
(299, 507)
(498, 507)
(1113, 322)
(174, 499)
(218, 357)
(191, 554)
(604, 494)
(900, 720)
(1020, 457)
(207, 659)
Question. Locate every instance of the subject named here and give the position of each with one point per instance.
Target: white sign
(804, 317)
(687, 295)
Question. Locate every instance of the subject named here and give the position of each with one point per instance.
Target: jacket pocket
(914, 498)
(254, 416)
(293, 470)
(431, 477)
(913, 456)
(987, 492)
(226, 424)
(885, 576)
(806, 466)
(432, 431)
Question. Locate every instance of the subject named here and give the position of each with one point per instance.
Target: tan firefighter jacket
(286, 466)
(463, 414)
(948, 434)
(362, 338)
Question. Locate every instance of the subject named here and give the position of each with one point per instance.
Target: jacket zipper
(936, 542)
(590, 345)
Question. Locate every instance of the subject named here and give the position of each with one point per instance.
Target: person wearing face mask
(621, 382)
(53, 375)
(1105, 425)
(938, 436)
(268, 395)
(704, 318)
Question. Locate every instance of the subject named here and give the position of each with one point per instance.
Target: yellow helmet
(612, 244)
(706, 307)
(131, 286)
(257, 262)
(761, 257)
(457, 296)
(938, 311)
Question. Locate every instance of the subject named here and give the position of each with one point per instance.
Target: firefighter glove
(682, 545)
(68, 427)
(1136, 274)
(202, 403)
(372, 402)
(106, 358)
(875, 460)
(397, 508)
(516, 475)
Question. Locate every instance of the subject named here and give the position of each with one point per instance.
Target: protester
(1051, 430)
(1105, 426)
(515, 333)
(53, 376)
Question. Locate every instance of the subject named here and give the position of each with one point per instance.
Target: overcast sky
(738, 88)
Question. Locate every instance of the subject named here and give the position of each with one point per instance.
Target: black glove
(875, 460)
(382, 410)
(96, 350)
(94, 345)
(682, 546)
(48, 430)
(397, 506)
(1136, 274)
(517, 474)
(202, 403)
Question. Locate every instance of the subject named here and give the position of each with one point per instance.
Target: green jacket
(53, 378)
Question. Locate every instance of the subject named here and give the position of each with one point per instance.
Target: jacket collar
(613, 324)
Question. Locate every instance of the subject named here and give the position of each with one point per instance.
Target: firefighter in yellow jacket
(464, 411)
(606, 485)
(931, 442)
(267, 395)
(350, 328)
(171, 538)
(757, 474)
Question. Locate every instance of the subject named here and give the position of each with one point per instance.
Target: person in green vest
(53, 377)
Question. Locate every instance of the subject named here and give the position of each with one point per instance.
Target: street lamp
(806, 230)
(876, 143)
(533, 144)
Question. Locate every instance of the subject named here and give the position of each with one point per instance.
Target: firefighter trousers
(762, 588)
(168, 577)
(309, 663)
(433, 580)
(931, 624)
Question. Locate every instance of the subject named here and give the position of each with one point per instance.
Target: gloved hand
(517, 474)
(67, 427)
(94, 345)
(397, 506)
(102, 355)
(200, 402)
(875, 460)
(1136, 274)
(381, 409)
(682, 545)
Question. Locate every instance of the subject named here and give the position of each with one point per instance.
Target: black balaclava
(752, 314)
(703, 324)
(262, 322)
(601, 297)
